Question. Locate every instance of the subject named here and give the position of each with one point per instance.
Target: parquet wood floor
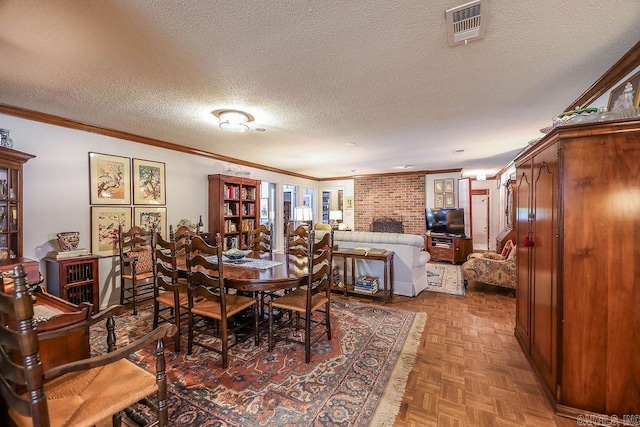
(470, 370)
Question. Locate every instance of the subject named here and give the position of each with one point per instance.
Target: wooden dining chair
(260, 238)
(171, 301)
(310, 303)
(209, 300)
(180, 235)
(136, 266)
(297, 241)
(86, 392)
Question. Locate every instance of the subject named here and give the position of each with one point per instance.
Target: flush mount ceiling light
(233, 120)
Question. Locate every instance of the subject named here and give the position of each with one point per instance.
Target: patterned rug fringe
(389, 406)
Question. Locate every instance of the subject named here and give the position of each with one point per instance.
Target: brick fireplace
(398, 197)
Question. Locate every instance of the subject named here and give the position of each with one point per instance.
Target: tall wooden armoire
(578, 285)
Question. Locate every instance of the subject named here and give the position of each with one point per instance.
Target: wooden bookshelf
(233, 208)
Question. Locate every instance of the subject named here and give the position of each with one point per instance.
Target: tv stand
(449, 248)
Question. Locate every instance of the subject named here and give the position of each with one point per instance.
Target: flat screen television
(445, 221)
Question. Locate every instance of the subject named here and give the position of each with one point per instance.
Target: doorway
(480, 220)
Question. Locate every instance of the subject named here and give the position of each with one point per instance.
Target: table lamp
(334, 217)
(302, 214)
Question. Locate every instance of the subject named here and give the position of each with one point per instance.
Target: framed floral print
(439, 201)
(105, 221)
(449, 200)
(109, 179)
(148, 183)
(438, 186)
(448, 185)
(149, 217)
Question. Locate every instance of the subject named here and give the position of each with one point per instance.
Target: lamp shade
(335, 215)
(302, 214)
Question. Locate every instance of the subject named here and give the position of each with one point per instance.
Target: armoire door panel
(599, 319)
(523, 208)
(544, 319)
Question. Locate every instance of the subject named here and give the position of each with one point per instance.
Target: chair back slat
(320, 255)
(297, 242)
(165, 262)
(260, 238)
(136, 239)
(205, 274)
(17, 310)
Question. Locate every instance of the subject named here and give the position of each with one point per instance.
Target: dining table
(263, 271)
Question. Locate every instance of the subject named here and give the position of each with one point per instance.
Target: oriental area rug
(356, 379)
(445, 278)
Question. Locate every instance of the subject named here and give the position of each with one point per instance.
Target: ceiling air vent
(467, 22)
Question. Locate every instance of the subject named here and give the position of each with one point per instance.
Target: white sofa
(409, 261)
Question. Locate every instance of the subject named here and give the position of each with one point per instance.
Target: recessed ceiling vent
(467, 22)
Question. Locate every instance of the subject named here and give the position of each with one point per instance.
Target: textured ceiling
(315, 75)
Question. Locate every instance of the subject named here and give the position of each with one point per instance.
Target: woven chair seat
(166, 298)
(139, 276)
(297, 301)
(87, 397)
(211, 308)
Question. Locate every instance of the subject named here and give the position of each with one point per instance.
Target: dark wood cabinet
(74, 279)
(577, 222)
(233, 209)
(449, 248)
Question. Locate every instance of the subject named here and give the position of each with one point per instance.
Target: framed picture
(449, 200)
(148, 183)
(448, 185)
(438, 186)
(109, 179)
(348, 202)
(264, 208)
(147, 218)
(439, 201)
(615, 97)
(105, 221)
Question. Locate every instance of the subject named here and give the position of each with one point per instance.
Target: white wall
(56, 187)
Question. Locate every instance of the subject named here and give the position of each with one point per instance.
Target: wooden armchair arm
(162, 331)
(114, 310)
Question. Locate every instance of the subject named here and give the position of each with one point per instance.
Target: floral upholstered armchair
(492, 268)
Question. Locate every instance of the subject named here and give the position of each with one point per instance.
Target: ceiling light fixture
(233, 120)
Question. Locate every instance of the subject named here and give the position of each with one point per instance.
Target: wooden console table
(385, 293)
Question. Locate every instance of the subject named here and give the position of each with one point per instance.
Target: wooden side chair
(81, 393)
(307, 301)
(260, 241)
(170, 302)
(260, 238)
(136, 266)
(180, 235)
(209, 300)
(297, 241)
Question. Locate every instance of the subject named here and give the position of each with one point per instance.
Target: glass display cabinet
(11, 162)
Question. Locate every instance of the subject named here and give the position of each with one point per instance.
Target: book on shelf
(366, 279)
(365, 290)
